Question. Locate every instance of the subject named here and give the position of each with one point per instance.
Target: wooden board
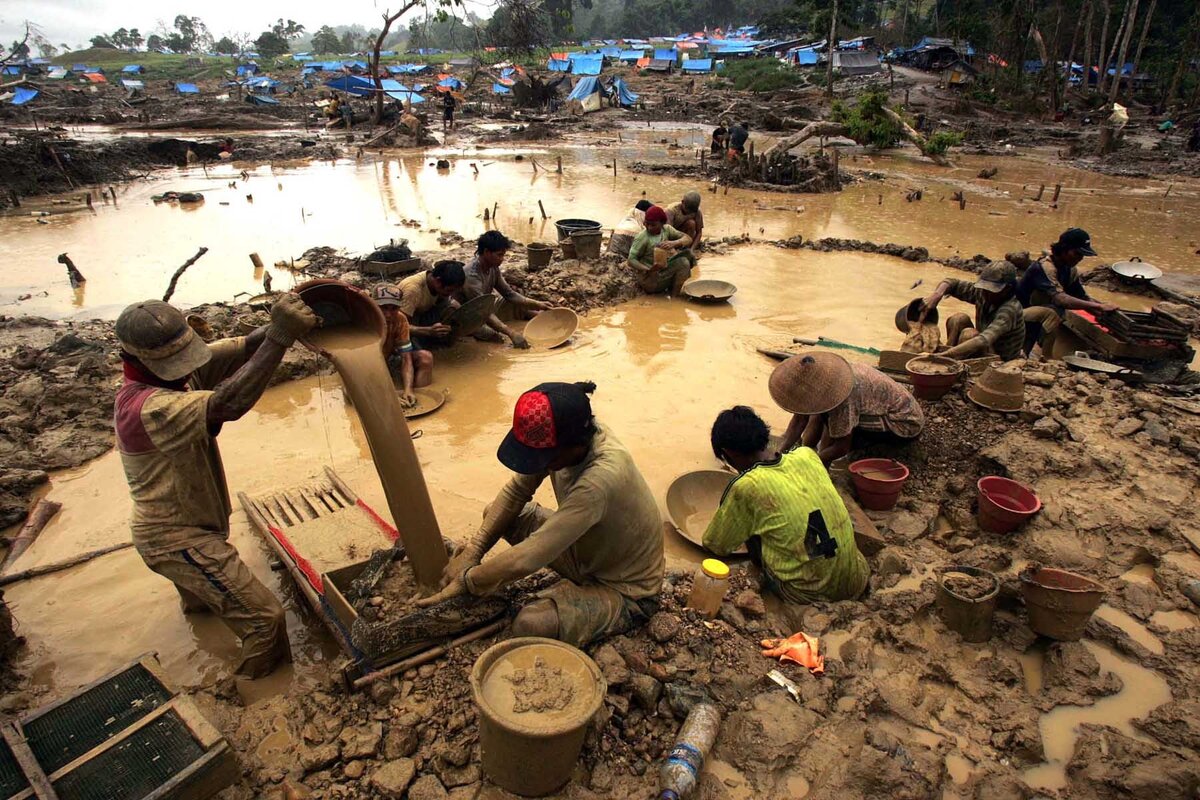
(866, 535)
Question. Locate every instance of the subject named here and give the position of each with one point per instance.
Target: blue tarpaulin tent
(499, 88)
(450, 82)
(807, 57)
(135, 69)
(263, 83)
(625, 97)
(610, 52)
(353, 84)
(698, 65)
(57, 73)
(21, 95)
(261, 100)
(664, 54)
(247, 69)
(632, 55)
(558, 65)
(12, 69)
(398, 91)
(589, 64)
(587, 93)
(187, 88)
(407, 69)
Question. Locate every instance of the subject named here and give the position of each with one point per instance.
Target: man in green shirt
(786, 511)
(656, 278)
(999, 324)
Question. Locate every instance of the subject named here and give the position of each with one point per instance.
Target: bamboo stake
(542, 208)
(175, 278)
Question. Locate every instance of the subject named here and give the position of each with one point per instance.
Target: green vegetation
(940, 142)
(760, 75)
(866, 123)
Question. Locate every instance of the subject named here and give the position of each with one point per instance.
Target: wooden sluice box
(337, 548)
(126, 736)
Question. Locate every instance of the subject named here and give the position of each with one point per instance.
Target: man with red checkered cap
(605, 539)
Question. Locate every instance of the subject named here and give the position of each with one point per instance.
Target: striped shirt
(1001, 327)
(774, 501)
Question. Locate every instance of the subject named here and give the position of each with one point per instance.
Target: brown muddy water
(664, 367)
(128, 249)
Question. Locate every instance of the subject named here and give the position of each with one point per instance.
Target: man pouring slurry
(177, 394)
(999, 324)
(605, 539)
(484, 277)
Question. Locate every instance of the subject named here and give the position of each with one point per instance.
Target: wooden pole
(559, 170)
(27, 762)
(256, 260)
(46, 569)
(542, 208)
(429, 655)
(1041, 191)
(175, 278)
(75, 276)
(1057, 191)
(41, 514)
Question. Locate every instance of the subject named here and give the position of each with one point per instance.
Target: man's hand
(455, 588)
(929, 304)
(519, 342)
(291, 318)
(1107, 307)
(538, 305)
(459, 563)
(439, 331)
(408, 400)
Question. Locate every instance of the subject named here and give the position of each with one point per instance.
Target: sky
(76, 21)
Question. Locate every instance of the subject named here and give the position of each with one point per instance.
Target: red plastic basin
(1004, 504)
(878, 482)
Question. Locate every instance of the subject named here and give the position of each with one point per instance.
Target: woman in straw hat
(831, 399)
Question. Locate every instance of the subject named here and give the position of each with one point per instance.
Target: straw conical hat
(812, 383)
(999, 388)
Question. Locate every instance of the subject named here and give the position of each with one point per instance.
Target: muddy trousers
(587, 611)
(1040, 324)
(210, 575)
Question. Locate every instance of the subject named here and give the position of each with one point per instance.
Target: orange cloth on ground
(799, 648)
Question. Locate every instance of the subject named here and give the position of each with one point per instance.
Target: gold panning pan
(471, 315)
(693, 499)
(428, 401)
(707, 290)
(552, 328)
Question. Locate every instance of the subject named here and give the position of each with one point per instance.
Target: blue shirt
(1038, 288)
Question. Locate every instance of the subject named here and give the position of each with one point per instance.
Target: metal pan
(552, 328)
(708, 291)
(693, 498)
(1083, 363)
(428, 401)
(1136, 271)
(471, 315)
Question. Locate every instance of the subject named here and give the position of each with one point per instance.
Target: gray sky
(77, 21)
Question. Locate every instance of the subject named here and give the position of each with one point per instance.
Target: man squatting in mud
(177, 394)
(605, 539)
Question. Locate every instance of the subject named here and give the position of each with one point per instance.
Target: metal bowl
(706, 290)
(472, 315)
(552, 328)
(693, 499)
(1136, 271)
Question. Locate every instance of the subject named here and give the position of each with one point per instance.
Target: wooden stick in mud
(559, 170)
(1041, 191)
(495, 206)
(175, 278)
(46, 569)
(375, 139)
(42, 789)
(1057, 192)
(256, 260)
(58, 163)
(542, 208)
(429, 655)
(75, 276)
(41, 514)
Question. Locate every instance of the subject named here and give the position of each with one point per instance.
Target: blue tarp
(21, 95)
(81, 68)
(590, 64)
(698, 65)
(500, 88)
(352, 84)
(261, 100)
(632, 55)
(807, 57)
(187, 88)
(661, 54)
(558, 65)
(354, 64)
(451, 82)
(128, 84)
(398, 91)
(610, 52)
(57, 73)
(247, 69)
(585, 88)
(134, 68)
(507, 72)
(419, 87)
(1125, 70)
(407, 69)
(1033, 67)
(625, 97)
(262, 83)
(12, 69)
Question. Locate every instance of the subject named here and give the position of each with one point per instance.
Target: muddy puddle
(1143, 690)
(128, 249)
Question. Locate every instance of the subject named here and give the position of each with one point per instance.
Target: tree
(190, 35)
(521, 26)
(120, 38)
(270, 44)
(226, 45)
(100, 41)
(287, 30)
(325, 40)
(348, 44)
(135, 38)
(155, 42)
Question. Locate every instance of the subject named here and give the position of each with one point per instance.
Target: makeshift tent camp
(625, 98)
(558, 65)
(698, 65)
(587, 65)
(133, 69)
(187, 88)
(631, 55)
(21, 95)
(352, 84)
(587, 93)
(95, 77)
(398, 91)
(856, 62)
(664, 54)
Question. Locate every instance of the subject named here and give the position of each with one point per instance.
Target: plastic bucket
(533, 752)
(568, 226)
(1059, 603)
(932, 385)
(338, 303)
(540, 254)
(878, 482)
(587, 244)
(568, 248)
(1004, 504)
(970, 618)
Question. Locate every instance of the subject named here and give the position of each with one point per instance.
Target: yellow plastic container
(709, 587)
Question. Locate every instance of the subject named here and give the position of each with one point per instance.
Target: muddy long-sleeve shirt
(607, 526)
(1001, 327)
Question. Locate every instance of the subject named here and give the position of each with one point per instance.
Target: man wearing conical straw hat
(833, 401)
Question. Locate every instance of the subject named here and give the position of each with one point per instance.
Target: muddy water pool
(129, 249)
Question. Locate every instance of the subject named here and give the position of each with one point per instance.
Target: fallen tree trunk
(47, 569)
(42, 513)
(824, 128)
(920, 141)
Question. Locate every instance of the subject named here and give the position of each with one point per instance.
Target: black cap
(1076, 239)
(548, 417)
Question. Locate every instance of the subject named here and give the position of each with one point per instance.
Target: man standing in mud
(177, 394)
(1047, 292)
(605, 539)
(484, 277)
